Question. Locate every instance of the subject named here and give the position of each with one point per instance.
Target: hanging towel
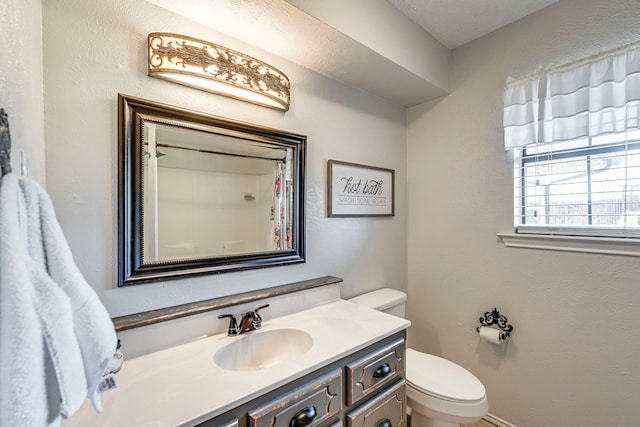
(66, 382)
(92, 325)
(25, 373)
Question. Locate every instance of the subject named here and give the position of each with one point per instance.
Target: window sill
(596, 245)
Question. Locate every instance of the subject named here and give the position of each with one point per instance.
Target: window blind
(587, 186)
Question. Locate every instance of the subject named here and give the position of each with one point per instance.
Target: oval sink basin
(260, 350)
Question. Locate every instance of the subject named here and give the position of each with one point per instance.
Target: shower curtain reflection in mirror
(282, 207)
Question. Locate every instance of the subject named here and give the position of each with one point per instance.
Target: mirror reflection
(211, 195)
(204, 194)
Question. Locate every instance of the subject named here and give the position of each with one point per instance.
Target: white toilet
(439, 392)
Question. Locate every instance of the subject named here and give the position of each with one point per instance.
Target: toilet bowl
(440, 393)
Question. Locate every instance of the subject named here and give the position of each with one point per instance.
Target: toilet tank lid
(380, 299)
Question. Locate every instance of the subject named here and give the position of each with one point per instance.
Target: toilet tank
(391, 301)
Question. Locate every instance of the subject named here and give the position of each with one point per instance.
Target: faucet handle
(256, 319)
(261, 307)
(233, 325)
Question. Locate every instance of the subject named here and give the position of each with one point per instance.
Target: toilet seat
(442, 390)
(442, 379)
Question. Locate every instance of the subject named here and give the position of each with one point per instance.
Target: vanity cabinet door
(309, 405)
(386, 410)
(374, 371)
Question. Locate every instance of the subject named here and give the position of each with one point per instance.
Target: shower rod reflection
(221, 153)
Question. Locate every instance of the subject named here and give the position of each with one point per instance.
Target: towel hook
(5, 143)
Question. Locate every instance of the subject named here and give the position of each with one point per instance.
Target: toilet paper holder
(494, 317)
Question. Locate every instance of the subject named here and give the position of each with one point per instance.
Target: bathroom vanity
(363, 389)
(334, 364)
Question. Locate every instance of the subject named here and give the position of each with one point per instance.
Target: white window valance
(590, 97)
(521, 113)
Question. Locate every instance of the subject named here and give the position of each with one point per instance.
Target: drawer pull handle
(382, 371)
(384, 423)
(304, 417)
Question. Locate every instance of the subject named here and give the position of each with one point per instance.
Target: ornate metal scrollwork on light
(213, 68)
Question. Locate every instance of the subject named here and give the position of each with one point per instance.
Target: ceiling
(399, 50)
(456, 22)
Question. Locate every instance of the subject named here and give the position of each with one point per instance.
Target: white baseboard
(498, 421)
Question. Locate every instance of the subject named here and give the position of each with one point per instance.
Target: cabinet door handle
(304, 417)
(384, 423)
(382, 371)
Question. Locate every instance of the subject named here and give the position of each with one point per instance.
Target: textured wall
(93, 50)
(21, 83)
(573, 358)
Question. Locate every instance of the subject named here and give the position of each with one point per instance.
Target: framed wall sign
(359, 190)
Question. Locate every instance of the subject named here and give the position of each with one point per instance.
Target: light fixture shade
(213, 68)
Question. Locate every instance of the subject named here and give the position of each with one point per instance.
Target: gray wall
(95, 49)
(21, 83)
(574, 356)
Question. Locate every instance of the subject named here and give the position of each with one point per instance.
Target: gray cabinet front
(385, 410)
(375, 371)
(309, 405)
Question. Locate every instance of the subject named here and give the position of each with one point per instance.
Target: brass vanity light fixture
(213, 68)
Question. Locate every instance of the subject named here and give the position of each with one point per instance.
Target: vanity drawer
(312, 404)
(374, 371)
(386, 410)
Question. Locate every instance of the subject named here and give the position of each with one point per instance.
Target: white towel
(25, 372)
(66, 384)
(56, 337)
(92, 325)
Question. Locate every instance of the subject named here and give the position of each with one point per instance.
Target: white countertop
(182, 386)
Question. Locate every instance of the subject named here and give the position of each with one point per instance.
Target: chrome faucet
(250, 321)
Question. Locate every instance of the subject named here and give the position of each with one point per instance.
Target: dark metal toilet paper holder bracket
(494, 317)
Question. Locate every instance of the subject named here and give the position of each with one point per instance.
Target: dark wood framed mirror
(201, 194)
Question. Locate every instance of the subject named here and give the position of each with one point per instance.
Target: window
(575, 135)
(586, 186)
